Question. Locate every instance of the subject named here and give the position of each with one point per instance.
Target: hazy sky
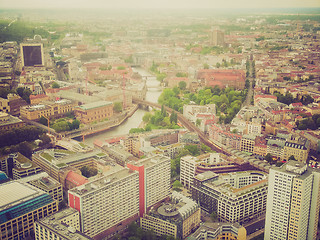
(159, 4)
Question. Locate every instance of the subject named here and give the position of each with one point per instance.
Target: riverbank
(101, 126)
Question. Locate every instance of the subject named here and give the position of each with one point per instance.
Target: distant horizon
(164, 4)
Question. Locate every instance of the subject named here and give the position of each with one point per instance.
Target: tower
(292, 202)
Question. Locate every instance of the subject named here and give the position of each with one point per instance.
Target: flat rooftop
(97, 184)
(95, 105)
(151, 161)
(62, 158)
(14, 193)
(53, 222)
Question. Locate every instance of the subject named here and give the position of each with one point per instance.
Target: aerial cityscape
(166, 120)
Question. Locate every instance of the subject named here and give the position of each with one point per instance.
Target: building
(222, 78)
(171, 150)
(47, 184)
(47, 109)
(3, 177)
(8, 122)
(235, 197)
(20, 206)
(217, 37)
(177, 217)
(12, 104)
(32, 54)
(191, 166)
(95, 111)
(17, 166)
(247, 143)
(57, 163)
(159, 137)
(132, 145)
(293, 202)
(191, 112)
(219, 231)
(109, 204)
(300, 150)
(63, 225)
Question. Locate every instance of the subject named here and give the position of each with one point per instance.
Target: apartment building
(159, 137)
(20, 206)
(293, 202)
(247, 143)
(300, 150)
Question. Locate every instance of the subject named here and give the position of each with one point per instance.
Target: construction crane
(87, 79)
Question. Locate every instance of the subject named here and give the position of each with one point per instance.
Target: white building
(188, 165)
(191, 111)
(108, 204)
(293, 202)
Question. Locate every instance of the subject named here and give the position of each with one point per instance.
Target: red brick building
(222, 78)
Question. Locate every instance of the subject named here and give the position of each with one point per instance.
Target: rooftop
(53, 222)
(103, 181)
(95, 105)
(14, 193)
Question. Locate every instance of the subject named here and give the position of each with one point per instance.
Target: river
(152, 95)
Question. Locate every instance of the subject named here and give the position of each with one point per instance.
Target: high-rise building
(32, 54)
(293, 202)
(217, 37)
(20, 206)
(108, 204)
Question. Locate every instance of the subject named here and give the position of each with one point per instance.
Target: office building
(235, 197)
(46, 183)
(32, 54)
(177, 216)
(17, 166)
(20, 206)
(109, 204)
(293, 202)
(57, 162)
(219, 231)
(63, 225)
(8, 122)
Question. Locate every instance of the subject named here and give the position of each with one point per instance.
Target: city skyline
(166, 4)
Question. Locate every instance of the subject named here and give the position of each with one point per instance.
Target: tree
(292, 158)
(218, 65)
(247, 84)
(117, 107)
(206, 66)
(55, 85)
(198, 122)
(182, 85)
(214, 216)
(147, 116)
(268, 158)
(177, 185)
(88, 171)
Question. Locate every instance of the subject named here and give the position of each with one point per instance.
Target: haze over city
(165, 4)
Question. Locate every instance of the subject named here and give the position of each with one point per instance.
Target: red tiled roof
(76, 178)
